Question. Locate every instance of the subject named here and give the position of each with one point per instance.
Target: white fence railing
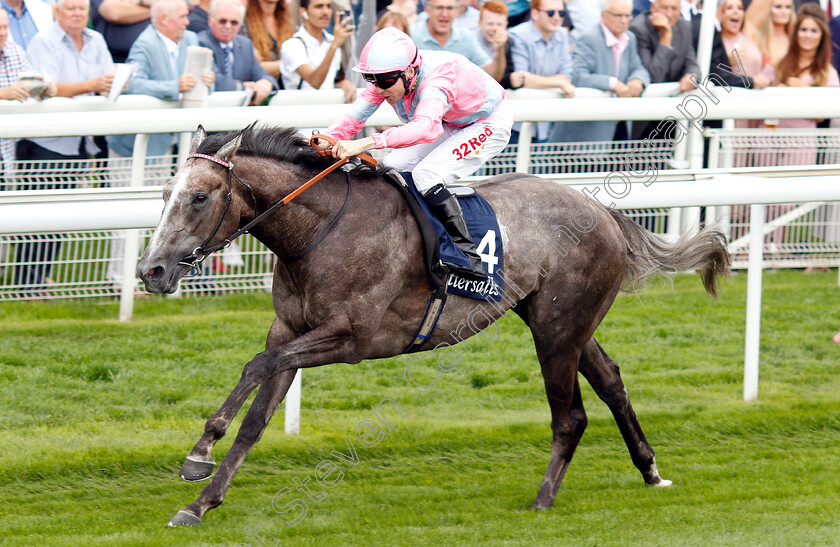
(795, 235)
(142, 115)
(132, 113)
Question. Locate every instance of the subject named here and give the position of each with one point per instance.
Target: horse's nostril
(155, 271)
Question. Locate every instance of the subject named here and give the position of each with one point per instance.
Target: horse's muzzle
(156, 278)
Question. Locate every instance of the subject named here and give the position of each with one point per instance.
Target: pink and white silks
(456, 119)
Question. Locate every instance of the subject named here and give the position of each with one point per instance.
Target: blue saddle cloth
(484, 229)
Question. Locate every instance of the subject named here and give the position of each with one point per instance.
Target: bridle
(200, 253)
(194, 259)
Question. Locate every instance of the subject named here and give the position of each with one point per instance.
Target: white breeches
(458, 152)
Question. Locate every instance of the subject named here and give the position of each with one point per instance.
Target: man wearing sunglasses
(455, 119)
(234, 62)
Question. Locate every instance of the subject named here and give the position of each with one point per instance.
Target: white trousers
(458, 152)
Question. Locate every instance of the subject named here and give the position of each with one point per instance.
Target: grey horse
(362, 291)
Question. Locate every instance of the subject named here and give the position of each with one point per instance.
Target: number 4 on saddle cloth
(485, 233)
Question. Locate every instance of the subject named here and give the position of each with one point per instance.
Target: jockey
(456, 119)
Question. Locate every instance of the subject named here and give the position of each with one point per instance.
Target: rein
(200, 253)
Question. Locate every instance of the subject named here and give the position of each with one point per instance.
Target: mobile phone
(344, 14)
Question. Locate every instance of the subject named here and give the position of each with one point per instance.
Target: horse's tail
(648, 254)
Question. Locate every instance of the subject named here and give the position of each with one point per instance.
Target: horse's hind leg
(603, 375)
(199, 463)
(568, 420)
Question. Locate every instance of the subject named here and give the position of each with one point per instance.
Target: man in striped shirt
(13, 61)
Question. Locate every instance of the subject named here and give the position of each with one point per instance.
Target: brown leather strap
(367, 158)
(313, 180)
(292, 195)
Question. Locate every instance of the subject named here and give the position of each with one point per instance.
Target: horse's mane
(281, 143)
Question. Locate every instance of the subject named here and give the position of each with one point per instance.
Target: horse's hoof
(194, 470)
(653, 479)
(538, 506)
(184, 518)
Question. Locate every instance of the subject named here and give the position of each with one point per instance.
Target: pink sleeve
(353, 122)
(345, 128)
(426, 126)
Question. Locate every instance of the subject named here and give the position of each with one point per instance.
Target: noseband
(200, 253)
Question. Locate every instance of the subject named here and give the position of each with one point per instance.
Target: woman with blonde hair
(744, 56)
(393, 19)
(770, 25)
(268, 24)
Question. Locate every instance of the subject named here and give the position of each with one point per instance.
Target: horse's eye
(199, 199)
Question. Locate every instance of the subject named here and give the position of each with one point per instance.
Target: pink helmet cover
(388, 50)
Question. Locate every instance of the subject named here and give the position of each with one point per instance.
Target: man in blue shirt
(27, 18)
(541, 55)
(438, 33)
(77, 60)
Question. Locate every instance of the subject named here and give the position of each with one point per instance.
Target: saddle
(438, 244)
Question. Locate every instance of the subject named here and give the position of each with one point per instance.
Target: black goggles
(385, 81)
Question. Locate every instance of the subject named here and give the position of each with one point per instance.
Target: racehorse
(362, 290)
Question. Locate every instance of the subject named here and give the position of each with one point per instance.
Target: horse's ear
(200, 135)
(230, 148)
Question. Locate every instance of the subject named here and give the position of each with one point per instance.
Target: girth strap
(430, 320)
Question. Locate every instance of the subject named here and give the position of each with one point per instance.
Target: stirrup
(466, 272)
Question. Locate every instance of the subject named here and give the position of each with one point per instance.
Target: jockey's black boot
(448, 211)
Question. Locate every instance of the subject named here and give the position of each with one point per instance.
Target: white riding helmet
(388, 50)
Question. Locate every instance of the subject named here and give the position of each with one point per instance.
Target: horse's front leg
(199, 463)
(331, 343)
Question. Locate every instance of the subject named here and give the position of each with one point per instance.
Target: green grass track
(96, 417)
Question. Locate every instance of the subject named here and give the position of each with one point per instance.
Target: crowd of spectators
(614, 45)
(620, 46)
